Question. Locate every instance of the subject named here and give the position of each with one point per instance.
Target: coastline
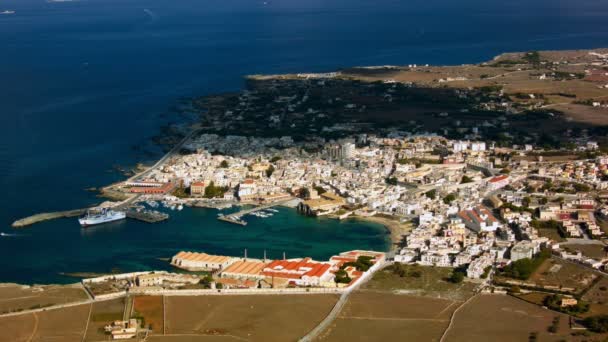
(396, 229)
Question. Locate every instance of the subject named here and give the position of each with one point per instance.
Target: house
(479, 219)
(197, 188)
(435, 258)
(477, 266)
(565, 302)
(498, 182)
(247, 190)
(523, 250)
(122, 330)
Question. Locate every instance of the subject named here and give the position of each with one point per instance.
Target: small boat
(7, 12)
(180, 207)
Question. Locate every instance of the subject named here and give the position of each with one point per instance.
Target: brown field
(63, 325)
(377, 316)
(432, 283)
(504, 318)
(151, 308)
(597, 297)
(255, 318)
(193, 338)
(586, 114)
(384, 330)
(590, 251)
(102, 314)
(537, 298)
(550, 233)
(569, 275)
(19, 297)
(372, 304)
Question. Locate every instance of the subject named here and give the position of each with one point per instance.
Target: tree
(275, 159)
(269, 171)
(206, 281)
(342, 277)
(449, 198)
(391, 181)
(212, 191)
(224, 164)
(431, 194)
(320, 190)
(598, 324)
(457, 277)
(304, 193)
(465, 179)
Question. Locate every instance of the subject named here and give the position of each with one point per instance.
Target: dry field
(432, 282)
(65, 325)
(380, 316)
(191, 338)
(20, 297)
(597, 297)
(586, 114)
(504, 318)
(590, 251)
(254, 318)
(102, 314)
(559, 273)
(151, 308)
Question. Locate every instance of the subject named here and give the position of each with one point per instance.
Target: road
(333, 314)
(162, 160)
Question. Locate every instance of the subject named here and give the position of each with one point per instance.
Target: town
(491, 198)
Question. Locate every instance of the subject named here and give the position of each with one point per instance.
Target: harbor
(148, 216)
(237, 218)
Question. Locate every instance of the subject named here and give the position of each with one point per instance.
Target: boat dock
(47, 216)
(147, 216)
(236, 218)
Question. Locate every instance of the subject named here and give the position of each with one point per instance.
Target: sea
(85, 85)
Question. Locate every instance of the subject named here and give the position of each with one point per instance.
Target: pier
(47, 216)
(236, 218)
(147, 216)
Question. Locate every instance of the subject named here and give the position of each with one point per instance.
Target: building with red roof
(479, 219)
(302, 272)
(498, 182)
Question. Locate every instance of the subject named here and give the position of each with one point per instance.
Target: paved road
(168, 155)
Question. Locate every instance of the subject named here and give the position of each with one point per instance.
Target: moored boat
(95, 217)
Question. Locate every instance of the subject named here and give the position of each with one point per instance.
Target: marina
(236, 218)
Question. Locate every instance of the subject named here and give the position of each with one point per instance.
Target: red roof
(295, 269)
(498, 178)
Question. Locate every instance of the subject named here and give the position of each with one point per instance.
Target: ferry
(94, 217)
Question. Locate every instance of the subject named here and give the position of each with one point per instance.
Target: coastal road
(168, 155)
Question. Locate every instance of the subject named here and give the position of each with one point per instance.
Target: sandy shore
(395, 228)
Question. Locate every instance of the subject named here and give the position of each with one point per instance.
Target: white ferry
(94, 217)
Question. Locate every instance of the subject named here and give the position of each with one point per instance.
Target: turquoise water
(43, 251)
(86, 84)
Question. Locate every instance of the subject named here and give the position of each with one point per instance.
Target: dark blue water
(84, 82)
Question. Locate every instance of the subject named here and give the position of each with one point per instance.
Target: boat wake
(8, 235)
(153, 16)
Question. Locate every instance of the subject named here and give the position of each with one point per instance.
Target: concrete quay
(24, 222)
